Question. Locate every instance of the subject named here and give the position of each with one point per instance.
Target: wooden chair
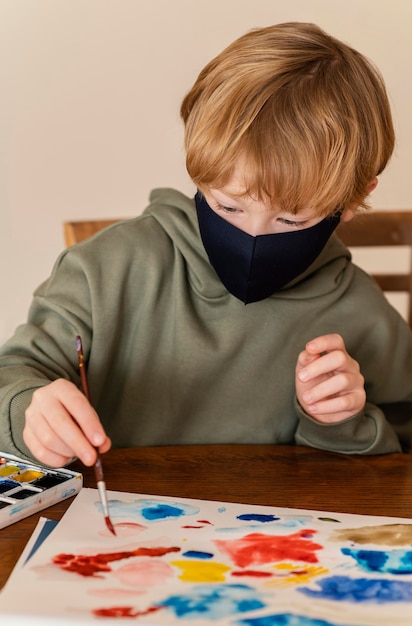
(383, 228)
(77, 231)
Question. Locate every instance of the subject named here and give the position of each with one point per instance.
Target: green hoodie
(173, 358)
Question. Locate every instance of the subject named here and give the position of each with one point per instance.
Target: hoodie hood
(176, 213)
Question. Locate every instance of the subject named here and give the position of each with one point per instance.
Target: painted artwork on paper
(180, 561)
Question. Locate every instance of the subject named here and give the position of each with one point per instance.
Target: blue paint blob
(214, 602)
(285, 619)
(197, 554)
(151, 510)
(6, 485)
(257, 517)
(361, 590)
(161, 511)
(391, 562)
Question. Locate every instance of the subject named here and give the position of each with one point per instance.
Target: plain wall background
(90, 96)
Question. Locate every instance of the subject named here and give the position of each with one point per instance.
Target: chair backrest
(77, 231)
(380, 229)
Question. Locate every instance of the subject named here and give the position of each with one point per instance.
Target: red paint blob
(261, 549)
(252, 572)
(187, 526)
(90, 565)
(124, 611)
(199, 521)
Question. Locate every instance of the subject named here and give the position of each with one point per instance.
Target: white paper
(181, 561)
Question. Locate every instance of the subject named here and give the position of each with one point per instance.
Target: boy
(286, 132)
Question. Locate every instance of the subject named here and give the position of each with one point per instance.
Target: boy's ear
(349, 212)
(372, 185)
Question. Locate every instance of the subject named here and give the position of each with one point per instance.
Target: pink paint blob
(124, 529)
(115, 592)
(144, 573)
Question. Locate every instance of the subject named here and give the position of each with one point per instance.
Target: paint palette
(26, 488)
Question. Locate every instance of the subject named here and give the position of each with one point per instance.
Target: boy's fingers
(304, 358)
(42, 453)
(62, 419)
(333, 386)
(325, 343)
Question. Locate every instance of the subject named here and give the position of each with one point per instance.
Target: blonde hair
(306, 114)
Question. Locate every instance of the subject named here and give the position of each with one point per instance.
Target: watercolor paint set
(26, 488)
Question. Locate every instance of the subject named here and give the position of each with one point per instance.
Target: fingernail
(97, 439)
(303, 375)
(88, 458)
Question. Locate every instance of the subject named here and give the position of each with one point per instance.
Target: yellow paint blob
(8, 470)
(292, 574)
(201, 571)
(28, 475)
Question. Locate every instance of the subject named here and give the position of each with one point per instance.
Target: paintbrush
(98, 468)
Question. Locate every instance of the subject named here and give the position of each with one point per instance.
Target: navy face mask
(253, 268)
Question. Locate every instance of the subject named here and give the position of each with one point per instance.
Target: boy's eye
(288, 222)
(228, 209)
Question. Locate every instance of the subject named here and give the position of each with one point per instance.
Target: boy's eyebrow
(235, 196)
(232, 194)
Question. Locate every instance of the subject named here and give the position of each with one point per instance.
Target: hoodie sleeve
(377, 337)
(368, 432)
(43, 349)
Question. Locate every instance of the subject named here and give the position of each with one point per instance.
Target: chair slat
(77, 231)
(381, 229)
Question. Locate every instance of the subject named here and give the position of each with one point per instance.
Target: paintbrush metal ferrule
(98, 469)
(101, 486)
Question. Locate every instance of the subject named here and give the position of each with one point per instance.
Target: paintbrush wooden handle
(98, 468)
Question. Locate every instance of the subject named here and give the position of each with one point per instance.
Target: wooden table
(282, 476)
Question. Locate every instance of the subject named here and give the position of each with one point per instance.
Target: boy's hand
(329, 385)
(61, 424)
